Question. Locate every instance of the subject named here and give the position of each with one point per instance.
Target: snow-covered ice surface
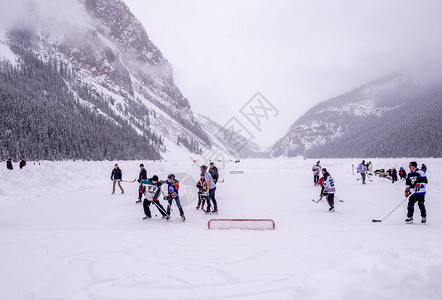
(64, 236)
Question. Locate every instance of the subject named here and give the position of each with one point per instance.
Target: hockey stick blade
(376, 221)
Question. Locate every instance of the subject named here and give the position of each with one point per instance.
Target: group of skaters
(21, 164)
(415, 186)
(149, 191)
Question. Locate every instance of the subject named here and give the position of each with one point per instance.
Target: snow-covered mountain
(237, 147)
(101, 60)
(390, 117)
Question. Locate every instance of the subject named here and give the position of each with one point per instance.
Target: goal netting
(247, 224)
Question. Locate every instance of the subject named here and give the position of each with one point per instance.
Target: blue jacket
(173, 188)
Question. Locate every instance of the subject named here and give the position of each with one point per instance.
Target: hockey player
(362, 169)
(151, 188)
(212, 188)
(173, 187)
(316, 171)
(202, 192)
(416, 180)
(116, 177)
(321, 184)
(214, 172)
(141, 177)
(329, 189)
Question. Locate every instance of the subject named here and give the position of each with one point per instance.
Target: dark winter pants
(363, 178)
(212, 197)
(146, 204)
(140, 194)
(178, 204)
(420, 199)
(316, 179)
(201, 200)
(331, 200)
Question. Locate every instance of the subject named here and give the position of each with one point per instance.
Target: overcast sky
(296, 53)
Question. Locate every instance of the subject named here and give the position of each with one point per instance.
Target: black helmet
(204, 167)
(202, 175)
(154, 178)
(171, 177)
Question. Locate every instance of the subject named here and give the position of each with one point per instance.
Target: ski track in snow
(64, 236)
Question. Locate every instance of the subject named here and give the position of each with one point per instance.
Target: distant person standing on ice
(329, 189)
(141, 177)
(212, 188)
(214, 172)
(22, 163)
(316, 172)
(116, 177)
(9, 164)
(416, 180)
(402, 173)
(393, 175)
(362, 169)
(370, 168)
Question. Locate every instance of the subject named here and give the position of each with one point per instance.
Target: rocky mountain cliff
(102, 64)
(390, 117)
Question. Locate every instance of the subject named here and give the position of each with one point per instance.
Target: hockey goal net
(247, 224)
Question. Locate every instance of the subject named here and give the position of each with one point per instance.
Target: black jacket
(214, 172)
(22, 163)
(9, 165)
(143, 175)
(116, 174)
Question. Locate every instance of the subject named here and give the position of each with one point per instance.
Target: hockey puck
(156, 215)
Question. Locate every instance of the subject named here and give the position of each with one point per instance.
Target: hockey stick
(130, 181)
(317, 201)
(340, 200)
(168, 205)
(220, 181)
(378, 221)
(353, 169)
(159, 208)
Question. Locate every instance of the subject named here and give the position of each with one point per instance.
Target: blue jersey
(415, 177)
(173, 188)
